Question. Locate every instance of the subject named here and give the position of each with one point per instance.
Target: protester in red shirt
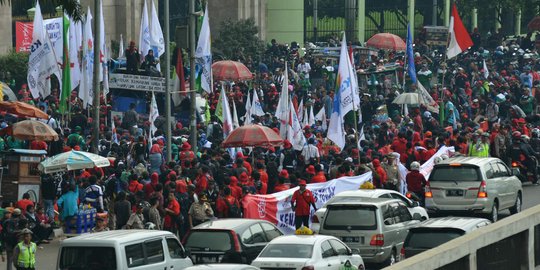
(149, 188)
(262, 172)
(319, 176)
(224, 202)
(134, 184)
(282, 178)
(416, 181)
(236, 191)
(379, 180)
(172, 212)
(25, 202)
(301, 201)
(201, 182)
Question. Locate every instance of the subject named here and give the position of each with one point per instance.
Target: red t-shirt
(302, 202)
(22, 204)
(319, 178)
(175, 207)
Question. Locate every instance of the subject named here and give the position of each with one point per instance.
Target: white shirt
(304, 68)
(310, 151)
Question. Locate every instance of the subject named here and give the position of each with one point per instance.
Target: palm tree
(71, 7)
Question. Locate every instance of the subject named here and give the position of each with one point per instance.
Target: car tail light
(236, 242)
(427, 192)
(402, 253)
(514, 164)
(315, 219)
(408, 195)
(377, 240)
(309, 267)
(482, 192)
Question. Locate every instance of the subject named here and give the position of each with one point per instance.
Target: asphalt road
(47, 254)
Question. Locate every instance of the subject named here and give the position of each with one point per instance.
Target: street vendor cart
(20, 174)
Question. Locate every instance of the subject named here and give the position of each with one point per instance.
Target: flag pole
(96, 86)
(441, 97)
(167, 79)
(193, 95)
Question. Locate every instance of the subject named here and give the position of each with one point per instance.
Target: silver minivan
(123, 249)
(472, 184)
(375, 227)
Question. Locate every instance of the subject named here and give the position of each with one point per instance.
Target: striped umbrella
(72, 160)
(231, 71)
(386, 41)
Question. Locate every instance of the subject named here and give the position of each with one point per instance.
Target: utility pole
(435, 13)
(193, 94)
(167, 79)
(95, 83)
(315, 18)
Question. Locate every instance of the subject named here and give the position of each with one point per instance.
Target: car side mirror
(389, 221)
(355, 251)
(415, 204)
(417, 216)
(187, 253)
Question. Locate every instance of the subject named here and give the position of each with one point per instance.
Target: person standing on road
(301, 201)
(24, 254)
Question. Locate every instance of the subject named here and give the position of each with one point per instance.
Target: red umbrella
(534, 24)
(22, 109)
(253, 136)
(231, 71)
(387, 41)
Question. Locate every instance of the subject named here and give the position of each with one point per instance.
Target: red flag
(459, 37)
(180, 71)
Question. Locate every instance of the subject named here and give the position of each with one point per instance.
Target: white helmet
(437, 160)
(149, 226)
(415, 166)
(444, 156)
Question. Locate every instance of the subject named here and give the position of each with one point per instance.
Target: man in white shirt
(310, 151)
(304, 68)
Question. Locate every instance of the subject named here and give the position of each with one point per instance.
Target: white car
(307, 252)
(413, 206)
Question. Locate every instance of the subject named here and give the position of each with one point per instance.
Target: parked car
(376, 227)
(413, 206)
(307, 252)
(483, 186)
(222, 266)
(237, 240)
(437, 231)
(123, 249)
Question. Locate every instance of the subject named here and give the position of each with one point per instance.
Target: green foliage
(72, 7)
(235, 36)
(17, 66)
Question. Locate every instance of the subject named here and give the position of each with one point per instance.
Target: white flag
(247, 116)
(295, 134)
(282, 110)
(256, 107)
(157, 42)
(204, 54)
(42, 62)
(121, 47)
(102, 45)
(486, 71)
(74, 52)
(154, 114)
(86, 93)
(300, 111)
(426, 99)
(311, 120)
(106, 72)
(144, 33)
(305, 121)
(226, 112)
(235, 122)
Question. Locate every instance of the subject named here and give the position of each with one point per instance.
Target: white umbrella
(72, 160)
(407, 98)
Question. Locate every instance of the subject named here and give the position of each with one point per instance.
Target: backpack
(234, 210)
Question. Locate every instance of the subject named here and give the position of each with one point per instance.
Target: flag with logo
(86, 93)
(321, 116)
(256, 107)
(282, 109)
(42, 61)
(295, 134)
(411, 69)
(102, 45)
(157, 42)
(203, 54)
(154, 114)
(247, 116)
(75, 38)
(144, 33)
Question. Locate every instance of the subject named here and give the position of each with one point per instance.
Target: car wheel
(494, 215)
(392, 259)
(517, 206)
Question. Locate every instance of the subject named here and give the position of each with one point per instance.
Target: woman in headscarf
(155, 158)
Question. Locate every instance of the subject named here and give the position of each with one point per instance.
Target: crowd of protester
(485, 113)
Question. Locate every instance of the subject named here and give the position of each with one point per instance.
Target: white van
(123, 249)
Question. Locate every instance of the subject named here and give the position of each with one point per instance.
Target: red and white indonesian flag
(459, 37)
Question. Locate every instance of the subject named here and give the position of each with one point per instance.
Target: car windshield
(84, 258)
(455, 173)
(353, 217)
(426, 239)
(209, 241)
(287, 251)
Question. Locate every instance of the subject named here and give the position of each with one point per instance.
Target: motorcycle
(415, 198)
(523, 174)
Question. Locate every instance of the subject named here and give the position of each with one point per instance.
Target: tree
(237, 38)
(16, 65)
(71, 7)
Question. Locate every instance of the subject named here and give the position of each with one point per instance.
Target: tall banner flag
(144, 33)
(203, 54)
(226, 114)
(74, 48)
(346, 98)
(42, 62)
(411, 69)
(459, 37)
(247, 116)
(66, 72)
(154, 114)
(426, 99)
(102, 45)
(486, 71)
(235, 122)
(300, 111)
(295, 134)
(256, 106)
(121, 47)
(311, 120)
(179, 80)
(321, 116)
(157, 41)
(86, 93)
(282, 110)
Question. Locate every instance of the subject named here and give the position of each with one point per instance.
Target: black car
(229, 240)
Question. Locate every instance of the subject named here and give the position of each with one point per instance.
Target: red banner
(23, 36)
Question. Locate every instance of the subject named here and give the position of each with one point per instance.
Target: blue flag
(411, 69)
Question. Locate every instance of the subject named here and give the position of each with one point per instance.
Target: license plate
(350, 239)
(454, 192)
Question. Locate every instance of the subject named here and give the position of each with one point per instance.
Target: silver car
(375, 227)
(472, 184)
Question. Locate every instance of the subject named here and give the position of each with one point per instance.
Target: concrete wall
(285, 21)
(468, 245)
(221, 10)
(6, 31)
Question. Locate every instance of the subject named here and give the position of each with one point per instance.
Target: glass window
(135, 255)
(454, 173)
(85, 258)
(388, 216)
(154, 251)
(385, 196)
(403, 213)
(247, 236)
(426, 239)
(339, 247)
(271, 231)
(257, 235)
(175, 249)
(354, 217)
(213, 240)
(299, 251)
(504, 170)
(496, 170)
(401, 198)
(327, 250)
